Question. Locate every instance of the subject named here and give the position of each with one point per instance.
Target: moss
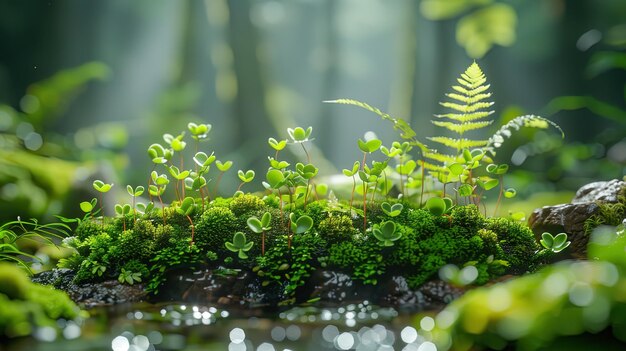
(517, 242)
(406, 250)
(362, 258)
(35, 306)
(467, 217)
(89, 228)
(15, 283)
(132, 244)
(163, 236)
(336, 228)
(318, 211)
(214, 228)
(246, 204)
(421, 221)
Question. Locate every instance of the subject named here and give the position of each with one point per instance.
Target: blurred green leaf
(480, 30)
(445, 9)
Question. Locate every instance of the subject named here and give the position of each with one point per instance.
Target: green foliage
(180, 253)
(27, 306)
(11, 231)
(129, 277)
(556, 243)
(439, 206)
(611, 214)
(578, 299)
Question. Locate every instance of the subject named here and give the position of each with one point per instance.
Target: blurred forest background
(87, 86)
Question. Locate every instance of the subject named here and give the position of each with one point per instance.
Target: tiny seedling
(386, 233)
(307, 172)
(88, 206)
(299, 135)
(351, 173)
(239, 245)
(299, 225)
(123, 211)
(186, 208)
(246, 177)
(277, 145)
(138, 191)
(223, 168)
(555, 243)
(102, 188)
(260, 227)
(391, 210)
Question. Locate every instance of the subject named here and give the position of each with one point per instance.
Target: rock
(395, 292)
(91, 294)
(333, 287)
(570, 218)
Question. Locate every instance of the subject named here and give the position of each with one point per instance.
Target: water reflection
(146, 327)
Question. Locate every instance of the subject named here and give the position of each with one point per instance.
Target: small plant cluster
(292, 228)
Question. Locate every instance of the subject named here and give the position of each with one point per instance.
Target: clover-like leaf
(465, 190)
(275, 178)
(487, 184)
(86, 206)
(456, 169)
(202, 159)
(510, 193)
(278, 164)
(239, 245)
(386, 233)
(246, 177)
(223, 167)
(547, 240)
(101, 186)
(436, 206)
(300, 225)
(391, 211)
(370, 145)
(187, 206)
(299, 135)
(277, 145)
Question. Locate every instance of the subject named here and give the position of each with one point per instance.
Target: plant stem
(192, 230)
(495, 211)
(162, 209)
(306, 193)
(102, 211)
(217, 182)
(364, 207)
(263, 243)
(353, 188)
(308, 157)
(422, 193)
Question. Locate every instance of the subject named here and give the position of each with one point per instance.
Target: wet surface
(145, 327)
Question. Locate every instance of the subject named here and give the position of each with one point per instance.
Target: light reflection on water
(146, 327)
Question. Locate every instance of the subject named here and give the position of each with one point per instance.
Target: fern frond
(467, 98)
(406, 132)
(467, 108)
(463, 127)
(459, 144)
(442, 158)
(464, 118)
(528, 121)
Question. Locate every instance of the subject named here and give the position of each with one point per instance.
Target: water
(149, 327)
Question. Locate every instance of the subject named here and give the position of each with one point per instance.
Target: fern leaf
(467, 108)
(459, 144)
(442, 158)
(527, 121)
(463, 118)
(463, 127)
(406, 132)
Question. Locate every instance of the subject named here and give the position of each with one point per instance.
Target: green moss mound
(422, 243)
(27, 306)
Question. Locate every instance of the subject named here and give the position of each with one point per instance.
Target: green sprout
(391, 210)
(277, 145)
(158, 188)
(299, 225)
(307, 172)
(186, 208)
(351, 173)
(88, 206)
(239, 245)
(199, 132)
(123, 210)
(223, 168)
(129, 277)
(138, 191)
(500, 170)
(246, 177)
(386, 233)
(260, 227)
(459, 277)
(367, 147)
(299, 136)
(102, 188)
(555, 243)
(179, 176)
